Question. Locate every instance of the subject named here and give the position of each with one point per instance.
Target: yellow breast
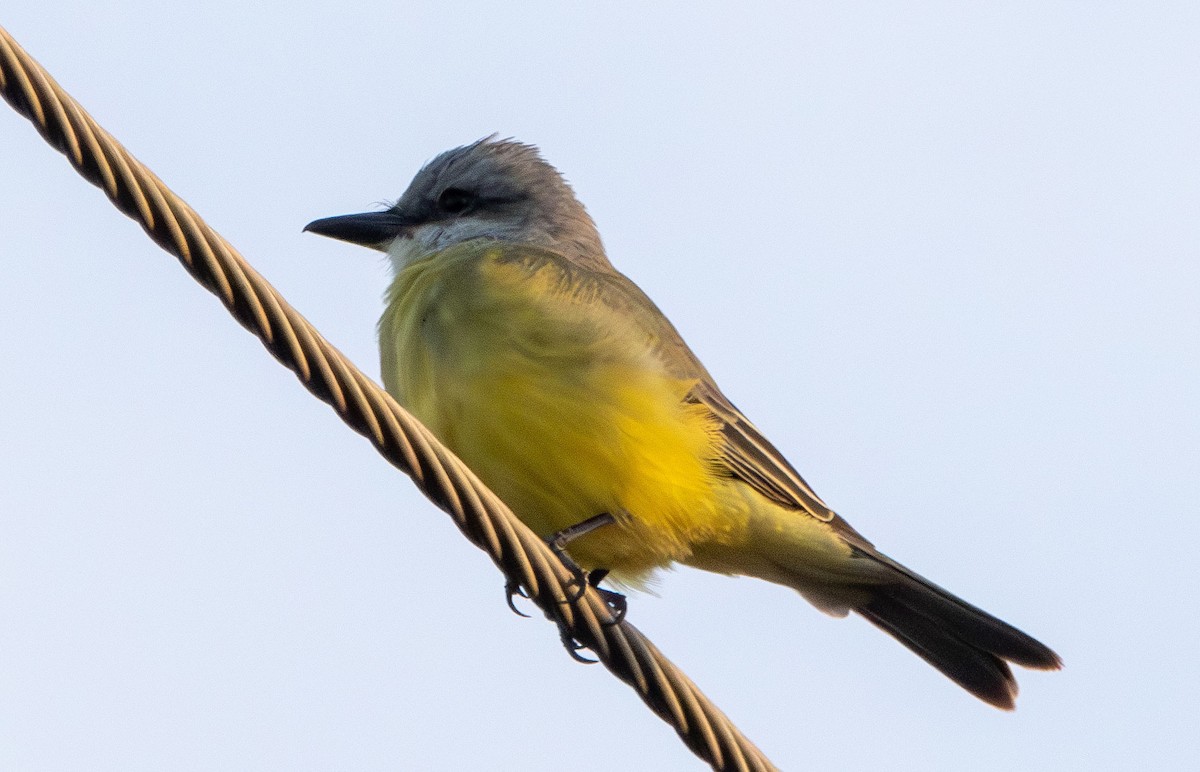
(557, 401)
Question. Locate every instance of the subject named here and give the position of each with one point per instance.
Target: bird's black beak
(369, 229)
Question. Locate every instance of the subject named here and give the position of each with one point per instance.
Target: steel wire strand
(486, 521)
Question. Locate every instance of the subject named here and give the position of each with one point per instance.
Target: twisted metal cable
(365, 407)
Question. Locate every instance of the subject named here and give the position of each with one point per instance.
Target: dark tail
(969, 645)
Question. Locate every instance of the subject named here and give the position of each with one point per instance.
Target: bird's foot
(617, 603)
(581, 580)
(559, 541)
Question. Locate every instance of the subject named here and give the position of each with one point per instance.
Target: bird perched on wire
(554, 377)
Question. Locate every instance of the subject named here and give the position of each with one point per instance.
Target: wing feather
(745, 454)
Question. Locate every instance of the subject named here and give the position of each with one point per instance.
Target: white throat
(424, 240)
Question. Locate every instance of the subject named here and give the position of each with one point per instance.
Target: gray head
(493, 189)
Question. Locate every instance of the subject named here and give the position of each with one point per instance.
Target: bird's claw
(511, 590)
(580, 581)
(573, 646)
(617, 603)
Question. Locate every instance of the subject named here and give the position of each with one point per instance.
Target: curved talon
(573, 647)
(512, 590)
(617, 603)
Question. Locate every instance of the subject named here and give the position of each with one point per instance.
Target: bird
(509, 333)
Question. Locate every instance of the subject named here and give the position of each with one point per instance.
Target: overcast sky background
(946, 255)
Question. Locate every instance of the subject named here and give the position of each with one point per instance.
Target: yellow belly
(557, 403)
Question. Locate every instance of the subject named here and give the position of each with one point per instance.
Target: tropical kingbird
(512, 337)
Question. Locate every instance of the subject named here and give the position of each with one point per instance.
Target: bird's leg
(561, 539)
(557, 543)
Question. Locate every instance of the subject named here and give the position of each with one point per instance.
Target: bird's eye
(455, 200)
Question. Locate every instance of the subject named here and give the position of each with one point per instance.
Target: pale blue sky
(946, 255)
